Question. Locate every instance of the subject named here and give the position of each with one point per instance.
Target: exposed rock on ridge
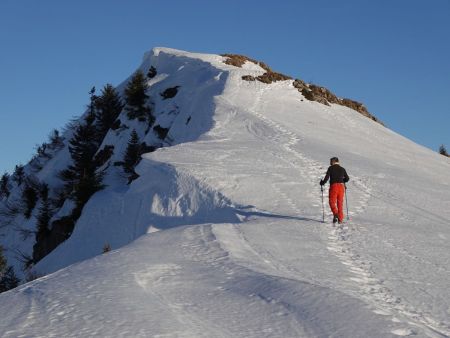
(310, 91)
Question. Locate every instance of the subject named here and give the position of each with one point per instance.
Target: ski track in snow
(210, 251)
(371, 289)
(153, 281)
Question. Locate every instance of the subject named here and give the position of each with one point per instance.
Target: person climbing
(338, 177)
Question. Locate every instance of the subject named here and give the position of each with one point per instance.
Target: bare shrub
(26, 260)
(106, 248)
(32, 275)
(25, 233)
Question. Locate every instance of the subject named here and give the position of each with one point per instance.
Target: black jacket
(336, 174)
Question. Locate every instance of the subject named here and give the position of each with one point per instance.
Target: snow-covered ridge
(234, 194)
(185, 117)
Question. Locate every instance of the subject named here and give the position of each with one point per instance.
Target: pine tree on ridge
(132, 156)
(136, 99)
(108, 107)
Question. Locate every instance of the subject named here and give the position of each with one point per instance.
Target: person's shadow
(249, 211)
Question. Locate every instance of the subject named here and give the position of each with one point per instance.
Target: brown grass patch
(300, 84)
(359, 107)
(238, 60)
(270, 77)
(322, 95)
(267, 77)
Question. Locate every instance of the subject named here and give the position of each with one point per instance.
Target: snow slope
(241, 250)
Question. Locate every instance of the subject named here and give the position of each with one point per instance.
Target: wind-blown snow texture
(241, 250)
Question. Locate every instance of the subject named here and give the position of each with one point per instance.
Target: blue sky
(391, 55)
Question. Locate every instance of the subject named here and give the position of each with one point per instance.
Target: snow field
(242, 251)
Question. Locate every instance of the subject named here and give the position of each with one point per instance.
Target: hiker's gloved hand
(322, 182)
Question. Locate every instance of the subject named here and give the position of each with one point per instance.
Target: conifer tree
(93, 98)
(9, 280)
(19, 174)
(442, 150)
(136, 99)
(83, 146)
(44, 216)
(88, 185)
(81, 177)
(132, 155)
(29, 198)
(68, 175)
(4, 186)
(2, 262)
(56, 140)
(41, 151)
(109, 106)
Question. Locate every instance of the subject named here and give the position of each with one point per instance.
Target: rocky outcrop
(169, 93)
(359, 107)
(239, 60)
(322, 95)
(309, 91)
(268, 77)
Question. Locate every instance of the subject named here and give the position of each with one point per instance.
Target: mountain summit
(201, 173)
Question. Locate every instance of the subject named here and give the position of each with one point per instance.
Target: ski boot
(335, 219)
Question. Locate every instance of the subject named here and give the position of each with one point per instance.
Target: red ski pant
(336, 199)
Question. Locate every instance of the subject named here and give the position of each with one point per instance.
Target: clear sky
(392, 55)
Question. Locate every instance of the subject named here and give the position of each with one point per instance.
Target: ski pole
(346, 202)
(323, 208)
